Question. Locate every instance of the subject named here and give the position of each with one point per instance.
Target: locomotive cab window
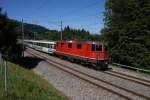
(69, 45)
(79, 46)
(96, 47)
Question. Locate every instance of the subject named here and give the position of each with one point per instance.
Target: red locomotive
(90, 52)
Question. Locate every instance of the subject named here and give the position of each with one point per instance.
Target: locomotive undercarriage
(98, 64)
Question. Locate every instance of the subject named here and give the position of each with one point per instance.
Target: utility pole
(22, 27)
(5, 64)
(34, 35)
(61, 31)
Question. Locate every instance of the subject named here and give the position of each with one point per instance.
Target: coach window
(52, 46)
(45, 45)
(48, 45)
(40, 44)
(69, 45)
(79, 46)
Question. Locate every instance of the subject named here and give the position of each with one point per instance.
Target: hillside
(33, 31)
(29, 29)
(28, 26)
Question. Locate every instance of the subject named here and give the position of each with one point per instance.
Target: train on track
(94, 53)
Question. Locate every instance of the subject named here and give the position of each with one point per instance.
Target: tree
(127, 31)
(75, 34)
(8, 38)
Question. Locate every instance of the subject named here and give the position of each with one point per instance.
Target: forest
(127, 31)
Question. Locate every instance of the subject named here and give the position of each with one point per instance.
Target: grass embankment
(25, 85)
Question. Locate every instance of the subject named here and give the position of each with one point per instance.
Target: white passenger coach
(44, 46)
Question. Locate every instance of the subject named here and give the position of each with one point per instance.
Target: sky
(87, 14)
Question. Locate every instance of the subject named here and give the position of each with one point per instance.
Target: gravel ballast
(141, 89)
(71, 86)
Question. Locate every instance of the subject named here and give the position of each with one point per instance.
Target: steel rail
(116, 86)
(134, 68)
(129, 77)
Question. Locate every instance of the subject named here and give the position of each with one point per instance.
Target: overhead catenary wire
(75, 11)
(34, 11)
(82, 17)
(31, 21)
(91, 24)
(55, 22)
(71, 12)
(81, 8)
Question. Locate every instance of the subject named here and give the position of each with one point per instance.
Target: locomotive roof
(41, 41)
(89, 42)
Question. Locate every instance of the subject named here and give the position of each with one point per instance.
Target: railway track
(120, 91)
(129, 77)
